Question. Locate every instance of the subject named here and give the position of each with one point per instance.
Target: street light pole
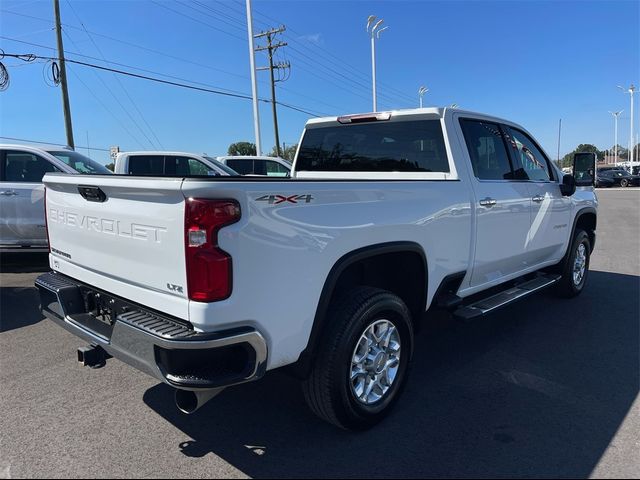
(421, 92)
(375, 32)
(254, 85)
(631, 91)
(615, 142)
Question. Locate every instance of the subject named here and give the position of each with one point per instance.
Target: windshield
(223, 167)
(80, 163)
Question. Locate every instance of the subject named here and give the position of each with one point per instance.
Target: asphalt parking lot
(543, 388)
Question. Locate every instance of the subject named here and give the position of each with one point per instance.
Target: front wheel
(363, 361)
(624, 182)
(576, 268)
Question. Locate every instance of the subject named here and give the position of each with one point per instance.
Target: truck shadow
(538, 389)
(19, 305)
(24, 262)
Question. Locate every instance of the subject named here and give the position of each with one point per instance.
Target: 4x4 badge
(277, 199)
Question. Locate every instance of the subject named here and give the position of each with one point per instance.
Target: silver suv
(22, 223)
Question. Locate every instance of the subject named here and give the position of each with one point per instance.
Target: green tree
(111, 166)
(567, 160)
(288, 153)
(622, 152)
(242, 148)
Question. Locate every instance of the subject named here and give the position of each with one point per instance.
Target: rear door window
(146, 165)
(25, 167)
(243, 166)
(401, 146)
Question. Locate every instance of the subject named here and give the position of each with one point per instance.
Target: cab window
(197, 168)
(531, 159)
(274, 169)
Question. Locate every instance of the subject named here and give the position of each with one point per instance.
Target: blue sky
(531, 62)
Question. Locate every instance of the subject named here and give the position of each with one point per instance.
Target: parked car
(603, 181)
(609, 168)
(169, 164)
(22, 225)
(205, 283)
(263, 166)
(621, 178)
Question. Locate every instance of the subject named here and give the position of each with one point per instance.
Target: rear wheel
(576, 268)
(363, 361)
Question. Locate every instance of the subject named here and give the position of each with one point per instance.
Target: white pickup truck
(209, 282)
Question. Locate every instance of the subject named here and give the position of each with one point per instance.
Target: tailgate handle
(92, 194)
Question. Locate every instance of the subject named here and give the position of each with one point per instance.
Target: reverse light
(197, 237)
(209, 268)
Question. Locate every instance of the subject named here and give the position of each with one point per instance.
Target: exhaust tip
(188, 401)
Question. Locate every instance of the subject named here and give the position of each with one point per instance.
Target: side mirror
(584, 169)
(568, 185)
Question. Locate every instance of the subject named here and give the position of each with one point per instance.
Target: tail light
(209, 273)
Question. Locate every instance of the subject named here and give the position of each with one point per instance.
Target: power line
(391, 97)
(130, 44)
(160, 53)
(115, 97)
(135, 106)
(115, 63)
(197, 20)
(182, 59)
(168, 82)
(339, 63)
(344, 64)
(102, 104)
(53, 144)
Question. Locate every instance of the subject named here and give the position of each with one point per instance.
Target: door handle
(538, 198)
(8, 193)
(488, 202)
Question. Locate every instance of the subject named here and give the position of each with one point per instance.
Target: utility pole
(271, 48)
(63, 77)
(254, 85)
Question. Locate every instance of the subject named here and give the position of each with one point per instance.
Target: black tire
(328, 390)
(567, 286)
(624, 183)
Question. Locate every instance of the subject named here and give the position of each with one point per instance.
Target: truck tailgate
(121, 234)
